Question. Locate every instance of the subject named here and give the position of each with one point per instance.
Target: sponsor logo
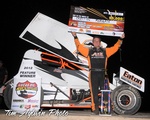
(113, 33)
(32, 101)
(18, 100)
(81, 30)
(88, 31)
(57, 70)
(27, 106)
(97, 55)
(101, 33)
(26, 89)
(15, 105)
(95, 32)
(113, 13)
(34, 106)
(21, 106)
(132, 79)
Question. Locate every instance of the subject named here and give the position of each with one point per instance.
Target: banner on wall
(96, 21)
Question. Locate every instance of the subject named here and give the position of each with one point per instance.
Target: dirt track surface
(72, 115)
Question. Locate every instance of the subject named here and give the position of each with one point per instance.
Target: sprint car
(64, 71)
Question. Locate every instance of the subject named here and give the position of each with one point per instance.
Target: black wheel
(1, 101)
(126, 100)
(8, 95)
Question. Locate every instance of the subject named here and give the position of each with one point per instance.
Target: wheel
(126, 100)
(8, 95)
(1, 102)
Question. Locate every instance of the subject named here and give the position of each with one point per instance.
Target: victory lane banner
(96, 21)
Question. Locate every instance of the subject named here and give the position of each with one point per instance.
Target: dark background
(16, 15)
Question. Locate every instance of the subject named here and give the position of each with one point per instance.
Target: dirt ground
(70, 115)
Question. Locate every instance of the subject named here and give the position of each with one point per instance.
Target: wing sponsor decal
(132, 79)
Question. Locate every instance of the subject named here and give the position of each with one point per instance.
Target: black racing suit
(97, 58)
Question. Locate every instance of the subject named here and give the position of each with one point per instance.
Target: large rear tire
(8, 95)
(126, 100)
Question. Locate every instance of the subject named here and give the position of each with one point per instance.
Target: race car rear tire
(8, 95)
(126, 100)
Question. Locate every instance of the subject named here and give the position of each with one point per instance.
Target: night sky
(135, 53)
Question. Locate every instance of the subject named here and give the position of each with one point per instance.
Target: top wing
(53, 36)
